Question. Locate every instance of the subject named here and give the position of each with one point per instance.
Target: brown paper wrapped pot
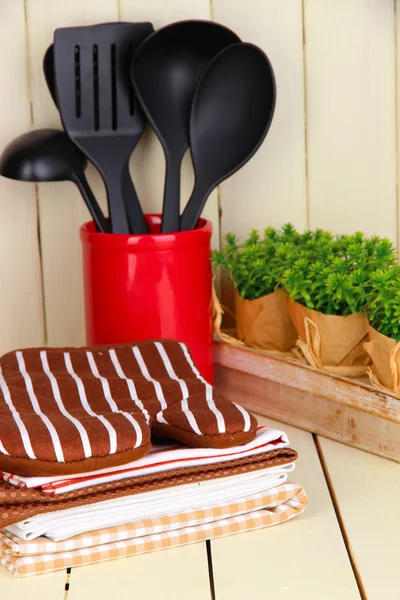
(265, 322)
(331, 342)
(385, 355)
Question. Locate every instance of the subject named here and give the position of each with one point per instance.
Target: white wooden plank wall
(351, 115)
(271, 188)
(330, 158)
(21, 307)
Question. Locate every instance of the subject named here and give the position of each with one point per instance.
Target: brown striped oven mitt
(74, 410)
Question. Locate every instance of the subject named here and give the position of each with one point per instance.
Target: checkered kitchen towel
(255, 512)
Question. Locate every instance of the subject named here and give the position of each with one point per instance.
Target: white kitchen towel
(63, 524)
(162, 457)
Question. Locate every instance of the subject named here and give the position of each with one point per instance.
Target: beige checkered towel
(254, 512)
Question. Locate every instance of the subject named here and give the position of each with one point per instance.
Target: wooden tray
(346, 410)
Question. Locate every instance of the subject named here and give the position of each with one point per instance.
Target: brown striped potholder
(75, 410)
(17, 504)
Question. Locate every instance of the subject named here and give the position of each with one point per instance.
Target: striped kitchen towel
(162, 457)
(64, 524)
(255, 512)
(17, 504)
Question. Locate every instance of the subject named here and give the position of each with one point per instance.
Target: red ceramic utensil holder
(150, 286)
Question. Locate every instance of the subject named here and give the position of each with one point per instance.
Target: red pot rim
(149, 241)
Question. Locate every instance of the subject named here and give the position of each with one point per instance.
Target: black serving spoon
(231, 113)
(165, 72)
(49, 155)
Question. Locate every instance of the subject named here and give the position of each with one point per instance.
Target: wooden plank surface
(147, 162)
(303, 559)
(50, 586)
(21, 307)
(271, 188)
(367, 490)
(173, 574)
(351, 127)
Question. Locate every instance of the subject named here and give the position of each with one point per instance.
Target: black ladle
(48, 70)
(165, 72)
(231, 113)
(49, 155)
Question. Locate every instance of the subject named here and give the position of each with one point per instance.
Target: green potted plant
(383, 307)
(262, 318)
(327, 284)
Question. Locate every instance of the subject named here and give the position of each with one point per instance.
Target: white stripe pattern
(146, 374)
(82, 395)
(185, 392)
(130, 384)
(111, 402)
(87, 449)
(246, 417)
(209, 392)
(50, 427)
(190, 416)
(161, 419)
(3, 450)
(17, 418)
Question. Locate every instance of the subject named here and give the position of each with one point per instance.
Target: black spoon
(49, 155)
(231, 113)
(165, 72)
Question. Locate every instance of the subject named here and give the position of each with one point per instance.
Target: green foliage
(250, 265)
(323, 272)
(383, 301)
(332, 274)
(328, 286)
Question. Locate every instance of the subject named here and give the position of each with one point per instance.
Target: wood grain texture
(367, 490)
(350, 83)
(302, 559)
(311, 412)
(271, 188)
(173, 574)
(21, 307)
(49, 586)
(147, 162)
(335, 407)
(352, 393)
(62, 209)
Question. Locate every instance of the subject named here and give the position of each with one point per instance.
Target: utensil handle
(172, 196)
(92, 204)
(193, 208)
(136, 220)
(116, 204)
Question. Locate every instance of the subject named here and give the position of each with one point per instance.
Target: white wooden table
(345, 546)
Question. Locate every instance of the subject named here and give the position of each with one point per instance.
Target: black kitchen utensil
(49, 155)
(48, 70)
(231, 113)
(99, 110)
(165, 72)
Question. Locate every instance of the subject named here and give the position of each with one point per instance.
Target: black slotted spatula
(99, 110)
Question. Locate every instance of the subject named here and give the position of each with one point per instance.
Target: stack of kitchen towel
(83, 479)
